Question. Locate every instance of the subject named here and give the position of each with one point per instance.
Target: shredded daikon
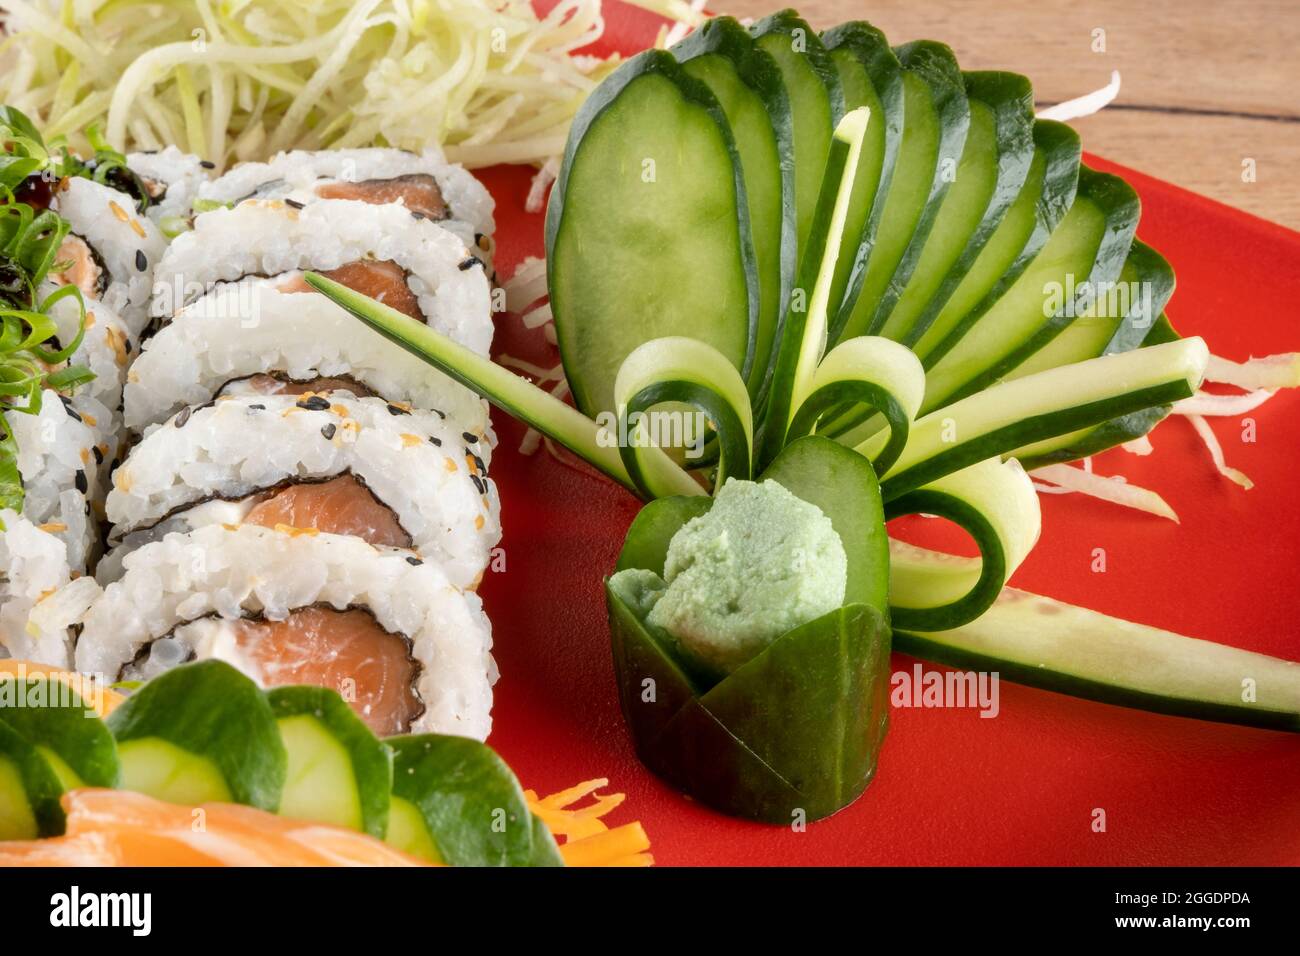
(1269, 372)
(490, 83)
(555, 374)
(1139, 446)
(1067, 479)
(527, 285)
(1084, 105)
(535, 318)
(1216, 452)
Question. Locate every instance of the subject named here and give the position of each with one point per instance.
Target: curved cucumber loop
(679, 369)
(532, 405)
(804, 335)
(871, 371)
(996, 504)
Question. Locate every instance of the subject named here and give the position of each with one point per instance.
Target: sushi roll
(424, 183)
(410, 264)
(59, 462)
(253, 338)
(39, 598)
(407, 649)
(388, 474)
(171, 180)
(111, 250)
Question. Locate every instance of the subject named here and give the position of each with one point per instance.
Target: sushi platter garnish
(252, 309)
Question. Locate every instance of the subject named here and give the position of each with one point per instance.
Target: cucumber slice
(29, 790)
(1054, 402)
(1088, 248)
(161, 769)
(871, 76)
(1043, 201)
(1045, 643)
(471, 804)
(338, 772)
(64, 728)
(995, 162)
(749, 88)
(937, 117)
(408, 832)
(816, 102)
(651, 187)
(201, 732)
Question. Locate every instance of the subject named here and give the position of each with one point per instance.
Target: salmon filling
(419, 192)
(346, 651)
(83, 270)
(382, 280)
(269, 383)
(341, 505)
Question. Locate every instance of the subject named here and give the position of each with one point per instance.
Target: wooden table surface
(1210, 90)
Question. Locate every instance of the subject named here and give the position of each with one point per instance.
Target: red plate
(954, 788)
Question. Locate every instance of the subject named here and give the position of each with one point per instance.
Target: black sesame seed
(294, 204)
(470, 263)
(82, 484)
(479, 463)
(478, 483)
(397, 410)
(129, 347)
(207, 164)
(440, 414)
(314, 403)
(141, 260)
(184, 417)
(99, 455)
(257, 408)
(469, 437)
(436, 440)
(328, 431)
(414, 562)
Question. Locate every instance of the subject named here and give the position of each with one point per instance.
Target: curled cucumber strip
(995, 502)
(871, 371)
(685, 371)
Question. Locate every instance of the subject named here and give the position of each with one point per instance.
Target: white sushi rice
(226, 573)
(297, 174)
(250, 327)
(182, 174)
(271, 238)
(59, 470)
(414, 462)
(37, 603)
(129, 244)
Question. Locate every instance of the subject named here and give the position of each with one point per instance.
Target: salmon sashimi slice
(120, 828)
(418, 191)
(269, 384)
(346, 651)
(342, 505)
(82, 268)
(381, 279)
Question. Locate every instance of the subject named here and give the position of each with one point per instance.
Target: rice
(180, 174)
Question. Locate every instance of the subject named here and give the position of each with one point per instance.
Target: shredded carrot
(587, 840)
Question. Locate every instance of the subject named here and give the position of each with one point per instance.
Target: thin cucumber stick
(1044, 643)
(804, 334)
(521, 399)
(1055, 402)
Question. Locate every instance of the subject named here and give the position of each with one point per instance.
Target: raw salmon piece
(346, 651)
(381, 279)
(419, 191)
(84, 270)
(341, 505)
(120, 828)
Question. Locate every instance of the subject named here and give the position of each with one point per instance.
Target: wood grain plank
(1206, 85)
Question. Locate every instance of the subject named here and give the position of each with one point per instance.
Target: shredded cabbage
(242, 79)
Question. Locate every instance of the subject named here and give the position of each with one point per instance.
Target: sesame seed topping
(414, 562)
(207, 164)
(314, 403)
(82, 484)
(435, 440)
(469, 437)
(470, 263)
(397, 410)
(118, 211)
(328, 431)
(184, 417)
(141, 260)
(294, 204)
(257, 408)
